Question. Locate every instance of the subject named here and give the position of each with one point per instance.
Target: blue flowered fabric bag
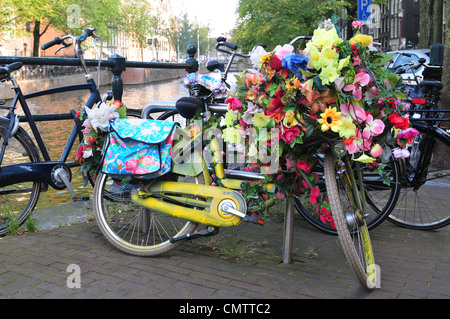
(139, 147)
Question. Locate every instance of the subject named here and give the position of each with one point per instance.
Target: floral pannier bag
(138, 147)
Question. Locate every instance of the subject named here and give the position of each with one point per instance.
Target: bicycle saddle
(5, 72)
(432, 83)
(188, 106)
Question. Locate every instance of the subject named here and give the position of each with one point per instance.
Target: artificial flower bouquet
(333, 88)
(95, 132)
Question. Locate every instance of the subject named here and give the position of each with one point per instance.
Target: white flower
(400, 152)
(255, 56)
(87, 153)
(99, 116)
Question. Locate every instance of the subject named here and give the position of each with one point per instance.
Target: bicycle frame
(216, 206)
(54, 173)
(32, 119)
(39, 171)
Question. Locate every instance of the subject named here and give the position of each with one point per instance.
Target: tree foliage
(72, 16)
(274, 22)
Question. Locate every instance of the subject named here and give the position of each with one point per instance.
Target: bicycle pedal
(81, 199)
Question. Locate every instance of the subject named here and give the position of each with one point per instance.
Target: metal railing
(116, 64)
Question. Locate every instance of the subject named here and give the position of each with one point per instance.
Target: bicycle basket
(138, 147)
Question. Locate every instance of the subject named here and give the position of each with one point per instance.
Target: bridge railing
(116, 64)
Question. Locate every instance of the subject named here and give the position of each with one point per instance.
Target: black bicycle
(414, 190)
(425, 174)
(26, 169)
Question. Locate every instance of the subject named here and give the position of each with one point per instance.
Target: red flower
(275, 63)
(288, 134)
(398, 121)
(304, 166)
(234, 104)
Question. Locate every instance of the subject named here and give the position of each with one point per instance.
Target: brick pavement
(34, 265)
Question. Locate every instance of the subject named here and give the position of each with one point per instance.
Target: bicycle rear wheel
(17, 200)
(356, 243)
(381, 195)
(134, 229)
(426, 205)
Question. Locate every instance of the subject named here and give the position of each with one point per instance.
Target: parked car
(405, 56)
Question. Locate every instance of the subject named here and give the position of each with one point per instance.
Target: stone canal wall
(130, 76)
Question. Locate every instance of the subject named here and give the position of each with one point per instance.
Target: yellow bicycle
(151, 217)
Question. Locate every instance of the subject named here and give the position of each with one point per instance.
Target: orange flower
(320, 102)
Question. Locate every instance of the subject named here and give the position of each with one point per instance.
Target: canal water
(55, 133)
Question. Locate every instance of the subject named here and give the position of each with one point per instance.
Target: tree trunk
(445, 93)
(426, 23)
(36, 37)
(437, 21)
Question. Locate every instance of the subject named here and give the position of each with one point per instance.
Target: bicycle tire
(427, 208)
(119, 219)
(356, 244)
(17, 200)
(380, 197)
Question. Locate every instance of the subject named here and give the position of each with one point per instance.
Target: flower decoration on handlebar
(333, 89)
(95, 131)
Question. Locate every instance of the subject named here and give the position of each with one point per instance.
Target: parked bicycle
(149, 217)
(26, 168)
(425, 175)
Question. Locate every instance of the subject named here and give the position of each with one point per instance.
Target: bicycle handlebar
(88, 32)
(55, 41)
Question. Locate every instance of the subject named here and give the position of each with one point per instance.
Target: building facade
(158, 47)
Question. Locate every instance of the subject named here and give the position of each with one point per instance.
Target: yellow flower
(290, 119)
(292, 83)
(266, 58)
(329, 74)
(365, 40)
(343, 63)
(348, 128)
(314, 57)
(232, 135)
(365, 159)
(331, 119)
(230, 117)
(260, 120)
(325, 38)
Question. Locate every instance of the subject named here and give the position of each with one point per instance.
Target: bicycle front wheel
(355, 243)
(381, 191)
(17, 200)
(134, 229)
(424, 205)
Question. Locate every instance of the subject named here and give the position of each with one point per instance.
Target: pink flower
(281, 51)
(376, 151)
(408, 134)
(234, 103)
(361, 79)
(280, 196)
(355, 112)
(357, 24)
(356, 61)
(375, 127)
(288, 134)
